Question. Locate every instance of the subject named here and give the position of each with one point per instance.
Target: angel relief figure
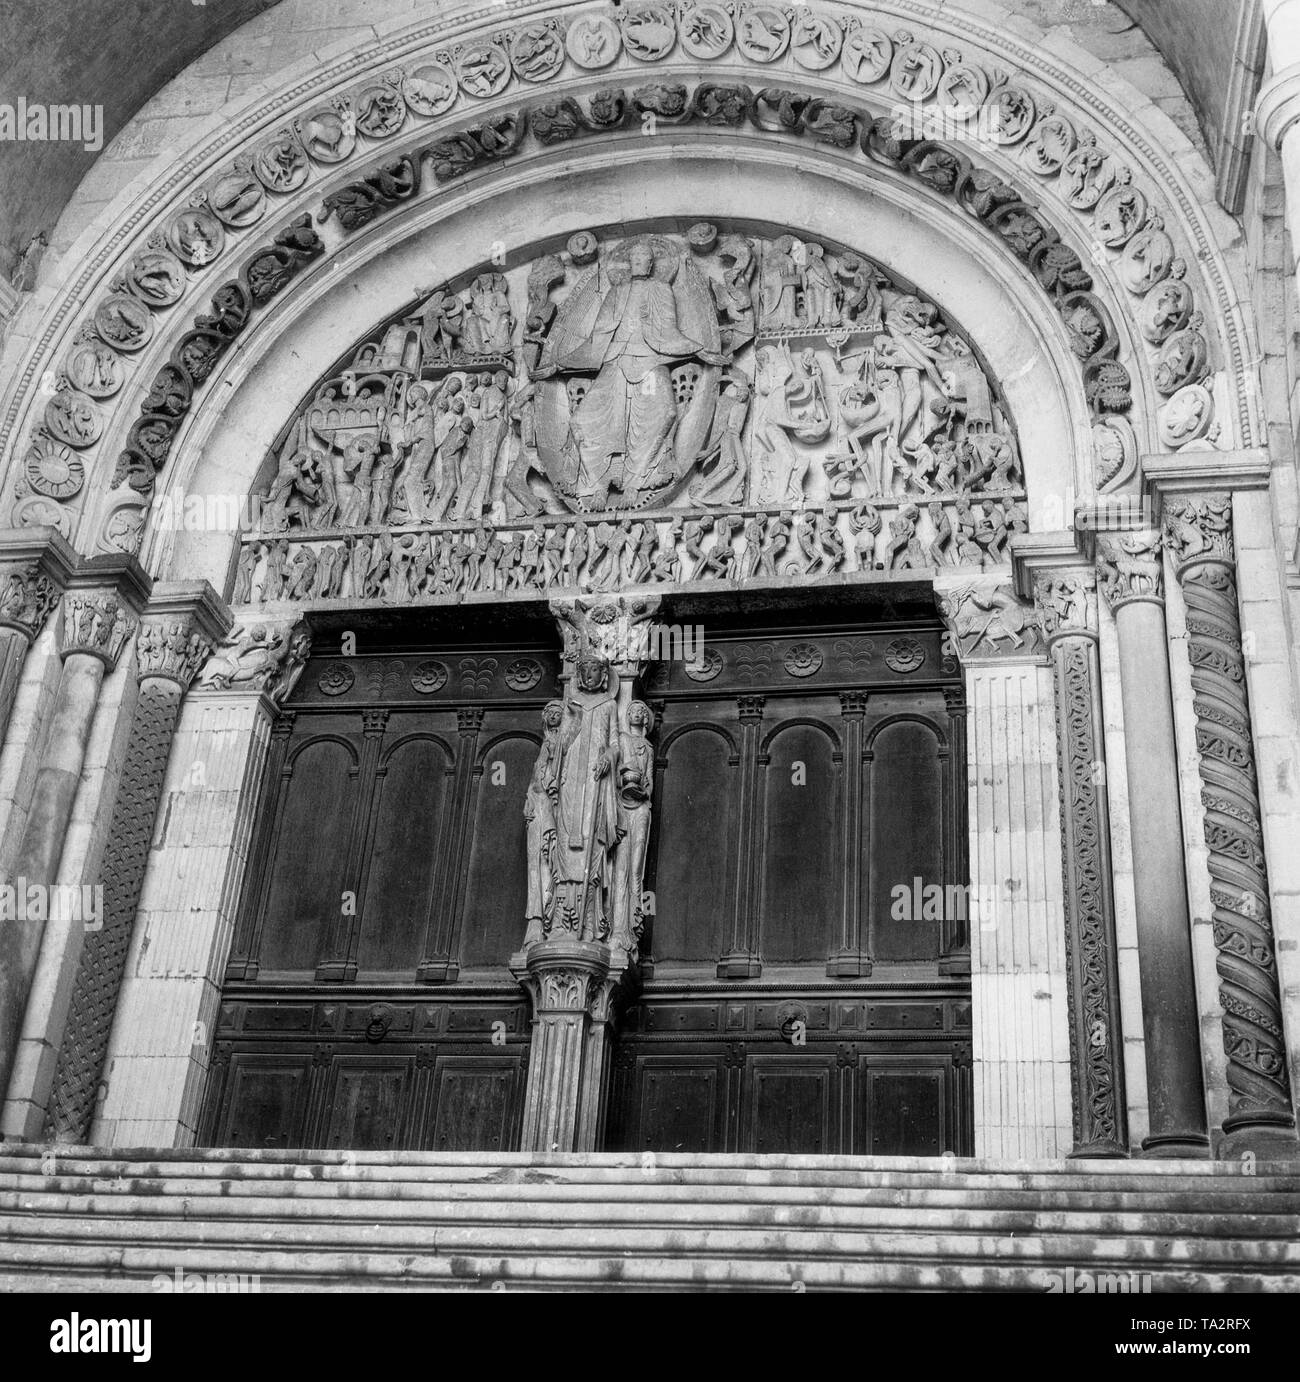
(641, 424)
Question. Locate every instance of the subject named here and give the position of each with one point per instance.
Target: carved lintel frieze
(986, 619)
(1198, 530)
(1067, 605)
(1129, 568)
(264, 657)
(96, 623)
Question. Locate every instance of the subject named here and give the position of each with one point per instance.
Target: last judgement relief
(711, 405)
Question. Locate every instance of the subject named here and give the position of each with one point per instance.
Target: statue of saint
(586, 804)
(636, 785)
(539, 813)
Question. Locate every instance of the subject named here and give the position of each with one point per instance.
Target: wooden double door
(809, 788)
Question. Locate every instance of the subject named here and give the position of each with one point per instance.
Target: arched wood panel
(406, 840)
(801, 867)
(309, 856)
(496, 893)
(694, 814)
(905, 795)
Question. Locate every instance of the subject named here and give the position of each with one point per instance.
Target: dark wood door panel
(907, 1104)
(476, 1105)
(788, 1105)
(265, 1101)
(367, 1103)
(681, 1104)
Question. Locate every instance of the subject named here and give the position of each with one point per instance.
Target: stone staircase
(88, 1219)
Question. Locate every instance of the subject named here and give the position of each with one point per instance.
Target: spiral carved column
(1198, 533)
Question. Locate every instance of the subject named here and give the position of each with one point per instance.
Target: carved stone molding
(395, 128)
(1067, 609)
(1198, 531)
(1129, 568)
(266, 658)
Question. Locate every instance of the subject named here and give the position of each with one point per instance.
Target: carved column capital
(178, 630)
(986, 620)
(1066, 602)
(96, 623)
(27, 595)
(853, 704)
(750, 707)
(469, 719)
(1129, 568)
(1198, 531)
(265, 658)
(1277, 106)
(35, 566)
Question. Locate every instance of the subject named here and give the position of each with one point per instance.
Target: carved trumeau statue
(586, 804)
(635, 787)
(539, 813)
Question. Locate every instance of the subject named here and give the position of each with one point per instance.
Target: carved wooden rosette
(169, 650)
(1067, 608)
(1199, 536)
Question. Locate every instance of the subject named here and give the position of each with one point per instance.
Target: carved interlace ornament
(1199, 535)
(1067, 609)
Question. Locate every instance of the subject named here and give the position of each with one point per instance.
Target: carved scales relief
(662, 408)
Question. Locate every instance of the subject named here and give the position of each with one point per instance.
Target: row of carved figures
(610, 555)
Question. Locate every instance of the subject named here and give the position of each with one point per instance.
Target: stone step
(470, 1208)
(434, 1221)
(670, 1168)
(340, 1188)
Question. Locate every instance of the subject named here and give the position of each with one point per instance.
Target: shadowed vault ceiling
(119, 55)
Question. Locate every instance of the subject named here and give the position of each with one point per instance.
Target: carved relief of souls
(718, 405)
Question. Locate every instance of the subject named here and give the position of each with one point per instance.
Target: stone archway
(1067, 233)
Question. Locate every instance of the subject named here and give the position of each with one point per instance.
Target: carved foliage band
(1199, 534)
(1096, 1048)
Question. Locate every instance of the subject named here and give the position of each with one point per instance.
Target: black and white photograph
(649, 646)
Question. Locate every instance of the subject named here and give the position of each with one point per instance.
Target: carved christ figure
(586, 804)
(628, 416)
